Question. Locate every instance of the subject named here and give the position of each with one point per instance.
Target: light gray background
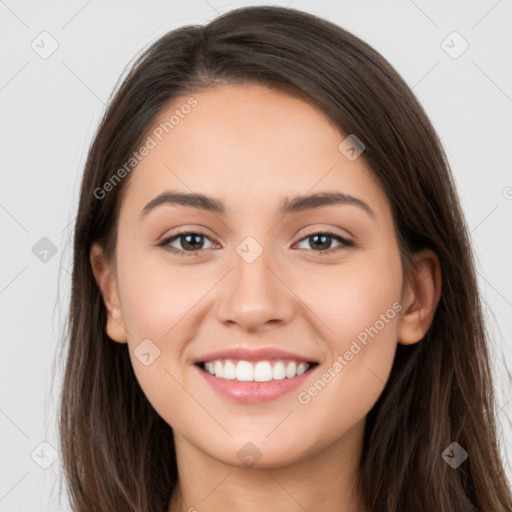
(51, 107)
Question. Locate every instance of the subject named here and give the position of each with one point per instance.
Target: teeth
(278, 372)
(229, 371)
(302, 368)
(291, 369)
(262, 371)
(244, 371)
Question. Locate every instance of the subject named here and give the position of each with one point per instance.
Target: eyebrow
(288, 205)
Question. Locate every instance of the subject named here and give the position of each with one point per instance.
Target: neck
(327, 477)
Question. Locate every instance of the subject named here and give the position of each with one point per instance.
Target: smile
(255, 371)
(249, 375)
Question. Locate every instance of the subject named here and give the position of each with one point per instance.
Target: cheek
(158, 302)
(361, 307)
(158, 329)
(350, 298)
(156, 295)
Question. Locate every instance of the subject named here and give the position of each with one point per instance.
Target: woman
(274, 303)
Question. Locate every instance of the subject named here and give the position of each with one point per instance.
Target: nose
(255, 296)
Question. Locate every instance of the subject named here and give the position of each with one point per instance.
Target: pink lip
(246, 354)
(253, 392)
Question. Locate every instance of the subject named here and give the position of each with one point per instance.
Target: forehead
(248, 145)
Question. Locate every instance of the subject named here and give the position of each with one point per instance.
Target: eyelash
(344, 243)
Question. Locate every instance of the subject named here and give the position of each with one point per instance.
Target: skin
(250, 147)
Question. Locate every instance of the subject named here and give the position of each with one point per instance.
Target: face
(251, 289)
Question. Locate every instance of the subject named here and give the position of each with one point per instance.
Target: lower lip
(253, 392)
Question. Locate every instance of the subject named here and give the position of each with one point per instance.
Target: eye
(323, 240)
(191, 242)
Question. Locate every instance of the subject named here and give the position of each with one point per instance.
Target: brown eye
(188, 242)
(321, 242)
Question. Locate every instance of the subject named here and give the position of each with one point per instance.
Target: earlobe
(421, 297)
(115, 326)
(107, 283)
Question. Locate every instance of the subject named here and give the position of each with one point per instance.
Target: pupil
(324, 240)
(196, 240)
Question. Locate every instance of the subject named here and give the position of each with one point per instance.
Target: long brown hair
(118, 453)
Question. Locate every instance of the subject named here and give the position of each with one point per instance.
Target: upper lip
(251, 354)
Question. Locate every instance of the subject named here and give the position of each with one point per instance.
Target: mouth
(253, 380)
(268, 370)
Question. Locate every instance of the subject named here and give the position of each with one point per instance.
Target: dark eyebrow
(289, 205)
(301, 203)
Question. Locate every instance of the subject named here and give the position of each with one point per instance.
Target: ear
(420, 298)
(105, 277)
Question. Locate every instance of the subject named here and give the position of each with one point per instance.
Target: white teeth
(244, 371)
(302, 368)
(278, 372)
(262, 371)
(291, 369)
(229, 371)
